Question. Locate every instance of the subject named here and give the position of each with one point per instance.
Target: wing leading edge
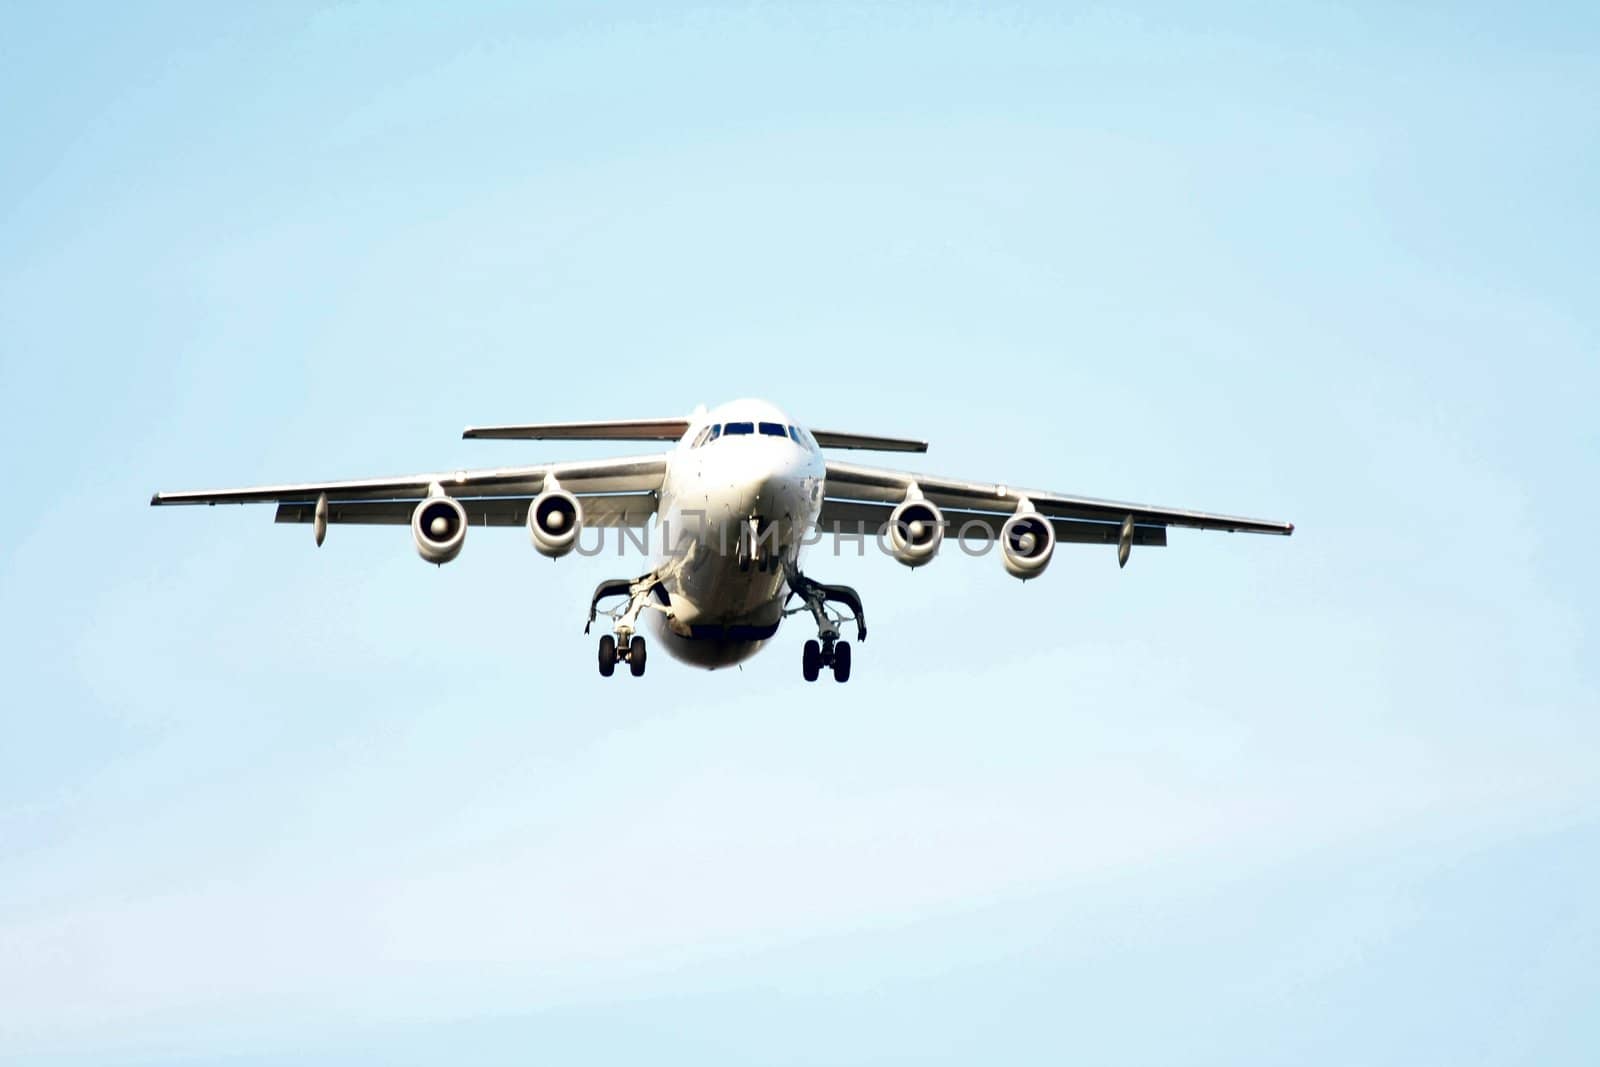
(637, 474)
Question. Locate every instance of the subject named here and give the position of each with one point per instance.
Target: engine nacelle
(1027, 541)
(439, 527)
(916, 529)
(554, 522)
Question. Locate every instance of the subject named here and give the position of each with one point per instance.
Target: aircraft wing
(849, 483)
(855, 516)
(633, 475)
(600, 511)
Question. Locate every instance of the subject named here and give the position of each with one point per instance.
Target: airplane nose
(779, 481)
(765, 475)
(756, 479)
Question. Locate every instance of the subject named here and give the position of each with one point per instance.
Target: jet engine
(916, 529)
(1027, 541)
(439, 527)
(554, 521)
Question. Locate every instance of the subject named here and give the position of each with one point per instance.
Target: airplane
(737, 499)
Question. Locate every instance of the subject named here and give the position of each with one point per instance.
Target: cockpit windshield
(748, 429)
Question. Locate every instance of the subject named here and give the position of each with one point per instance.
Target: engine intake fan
(916, 530)
(555, 520)
(439, 527)
(1027, 541)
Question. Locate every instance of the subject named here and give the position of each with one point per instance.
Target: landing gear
(612, 653)
(827, 650)
(834, 654)
(623, 644)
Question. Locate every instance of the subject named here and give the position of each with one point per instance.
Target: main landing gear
(624, 645)
(835, 654)
(611, 654)
(827, 650)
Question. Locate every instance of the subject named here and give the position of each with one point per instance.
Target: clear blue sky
(1330, 800)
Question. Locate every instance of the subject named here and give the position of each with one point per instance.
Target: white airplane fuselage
(732, 512)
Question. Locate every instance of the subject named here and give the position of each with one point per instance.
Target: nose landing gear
(827, 650)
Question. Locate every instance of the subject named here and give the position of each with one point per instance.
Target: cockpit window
(746, 429)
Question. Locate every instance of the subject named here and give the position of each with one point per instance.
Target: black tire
(608, 655)
(636, 656)
(811, 661)
(841, 661)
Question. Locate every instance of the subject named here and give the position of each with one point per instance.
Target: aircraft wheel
(608, 655)
(841, 661)
(811, 661)
(636, 656)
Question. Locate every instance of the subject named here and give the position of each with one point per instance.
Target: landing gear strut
(827, 650)
(624, 644)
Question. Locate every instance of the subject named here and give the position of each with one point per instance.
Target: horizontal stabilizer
(615, 430)
(872, 442)
(667, 430)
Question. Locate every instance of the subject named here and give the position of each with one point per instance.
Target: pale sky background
(1326, 800)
